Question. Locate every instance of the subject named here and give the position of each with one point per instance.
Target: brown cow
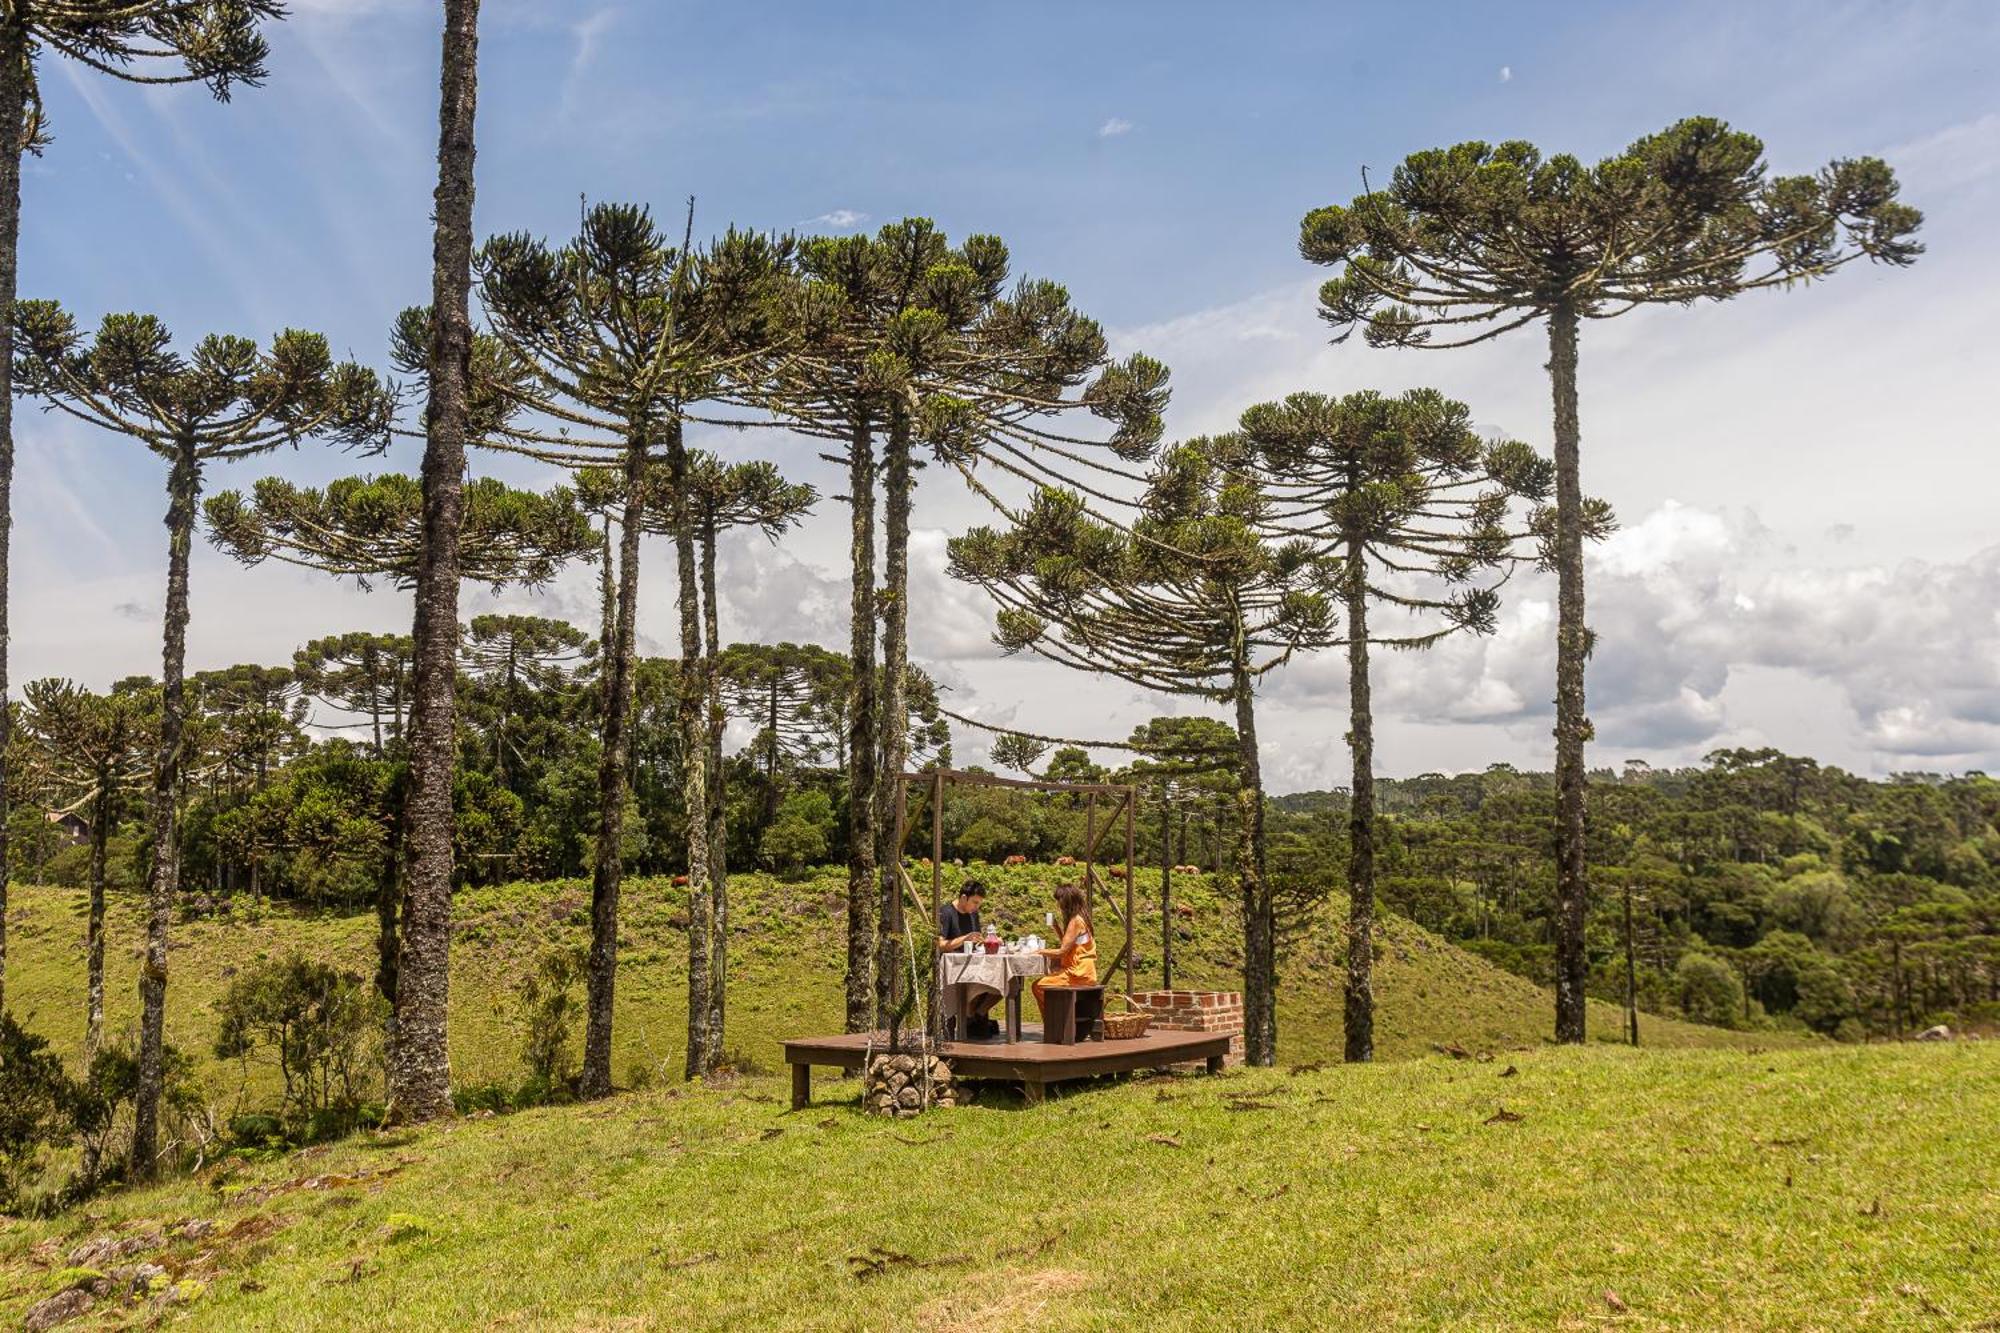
(1065, 860)
(1015, 861)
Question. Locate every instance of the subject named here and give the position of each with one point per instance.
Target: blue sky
(1810, 548)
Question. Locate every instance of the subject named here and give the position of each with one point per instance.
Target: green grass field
(1711, 1180)
(1803, 1189)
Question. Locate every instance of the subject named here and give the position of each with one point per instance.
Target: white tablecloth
(960, 974)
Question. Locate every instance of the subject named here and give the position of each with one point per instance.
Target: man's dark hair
(972, 888)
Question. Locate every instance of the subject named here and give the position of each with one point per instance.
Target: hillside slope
(786, 956)
(1830, 1188)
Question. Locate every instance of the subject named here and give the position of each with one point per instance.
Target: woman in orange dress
(1074, 961)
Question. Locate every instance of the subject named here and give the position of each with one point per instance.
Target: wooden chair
(1072, 1013)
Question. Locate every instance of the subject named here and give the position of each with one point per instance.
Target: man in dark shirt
(958, 922)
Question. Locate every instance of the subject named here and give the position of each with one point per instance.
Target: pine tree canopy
(226, 399)
(1181, 601)
(1480, 238)
(1403, 494)
(217, 42)
(366, 528)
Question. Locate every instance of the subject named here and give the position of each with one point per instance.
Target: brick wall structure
(1197, 1011)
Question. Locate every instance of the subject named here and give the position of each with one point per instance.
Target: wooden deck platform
(1031, 1062)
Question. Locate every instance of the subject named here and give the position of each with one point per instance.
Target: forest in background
(1765, 890)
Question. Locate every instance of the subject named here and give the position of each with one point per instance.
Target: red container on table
(992, 944)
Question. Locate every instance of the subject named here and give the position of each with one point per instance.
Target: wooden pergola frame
(1121, 802)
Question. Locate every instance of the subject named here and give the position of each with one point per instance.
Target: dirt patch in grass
(1016, 1300)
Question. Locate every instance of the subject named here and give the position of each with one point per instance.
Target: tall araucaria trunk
(607, 602)
(1166, 887)
(420, 1077)
(893, 723)
(372, 669)
(100, 836)
(13, 120)
(183, 489)
(613, 763)
(718, 823)
(1359, 1008)
(1572, 722)
(388, 903)
(691, 710)
(1260, 930)
(771, 760)
(861, 774)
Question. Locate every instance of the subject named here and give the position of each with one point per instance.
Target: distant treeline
(1764, 888)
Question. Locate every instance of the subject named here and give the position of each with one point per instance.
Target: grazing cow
(1182, 909)
(1187, 870)
(1117, 872)
(680, 881)
(1065, 860)
(1015, 861)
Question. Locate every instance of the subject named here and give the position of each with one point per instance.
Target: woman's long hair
(1069, 898)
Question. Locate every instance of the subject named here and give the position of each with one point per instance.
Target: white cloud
(1681, 602)
(1114, 127)
(839, 217)
(1954, 156)
(589, 34)
(1506, 74)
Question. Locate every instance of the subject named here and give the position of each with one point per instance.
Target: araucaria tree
(609, 341)
(912, 344)
(722, 496)
(138, 41)
(1191, 599)
(1183, 761)
(420, 1067)
(227, 399)
(1471, 242)
(714, 498)
(359, 672)
(94, 751)
(1413, 510)
(373, 528)
(508, 658)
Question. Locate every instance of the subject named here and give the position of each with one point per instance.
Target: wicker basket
(1125, 1026)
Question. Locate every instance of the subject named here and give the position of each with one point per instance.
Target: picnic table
(961, 975)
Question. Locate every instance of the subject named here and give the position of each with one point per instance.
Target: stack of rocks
(896, 1084)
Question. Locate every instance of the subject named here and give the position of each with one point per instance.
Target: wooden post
(802, 1087)
(1631, 981)
(1131, 918)
(1166, 889)
(1089, 847)
(936, 1029)
(893, 909)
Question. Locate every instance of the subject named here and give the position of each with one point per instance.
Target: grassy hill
(1828, 1188)
(786, 959)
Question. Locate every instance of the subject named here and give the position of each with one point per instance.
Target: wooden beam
(958, 777)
